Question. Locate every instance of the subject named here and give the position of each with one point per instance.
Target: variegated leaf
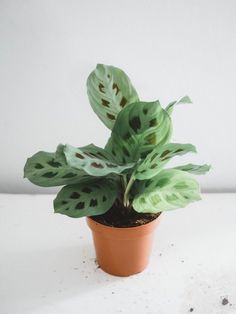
(194, 169)
(86, 199)
(156, 160)
(93, 160)
(170, 189)
(138, 129)
(51, 169)
(109, 90)
(183, 100)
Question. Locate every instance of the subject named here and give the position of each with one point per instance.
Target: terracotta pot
(122, 251)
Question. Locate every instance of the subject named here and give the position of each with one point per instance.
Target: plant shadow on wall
(126, 176)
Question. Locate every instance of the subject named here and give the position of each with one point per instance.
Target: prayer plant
(129, 170)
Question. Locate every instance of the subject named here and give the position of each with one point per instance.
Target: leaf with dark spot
(86, 190)
(49, 174)
(80, 205)
(135, 124)
(75, 195)
(79, 156)
(54, 164)
(153, 122)
(93, 203)
(111, 116)
(123, 102)
(69, 175)
(96, 165)
(105, 103)
(115, 87)
(38, 166)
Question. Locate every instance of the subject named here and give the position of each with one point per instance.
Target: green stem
(127, 190)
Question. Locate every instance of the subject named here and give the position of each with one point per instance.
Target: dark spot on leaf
(38, 166)
(179, 150)
(142, 200)
(49, 174)
(111, 165)
(153, 122)
(64, 202)
(115, 86)
(151, 138)
(113, 152)
(96, 165)
(108, 75)
(143, 171)
(125, 151)
(126, 136)
(154, 156)
(86, 190)
(93, 202)
(100, 87)
(135, 123)
(80, 205)
(90, 155)
(145, 111)
(153, 166)
(100, 154)
(123, 102)
(104, 198)
(75, 195)
(54, 164)
(79, 156)
(162, 182)
(105, 103)
(111, 116)
(166, 152)
(69, 175)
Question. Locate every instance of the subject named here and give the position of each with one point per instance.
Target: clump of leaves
(129, 170)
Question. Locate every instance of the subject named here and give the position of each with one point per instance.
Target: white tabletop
(47, 262)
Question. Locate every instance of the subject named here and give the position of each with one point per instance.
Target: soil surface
(122, 217)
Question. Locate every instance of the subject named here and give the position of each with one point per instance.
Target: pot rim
(141, 229)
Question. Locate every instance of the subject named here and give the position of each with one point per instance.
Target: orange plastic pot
(122, 251)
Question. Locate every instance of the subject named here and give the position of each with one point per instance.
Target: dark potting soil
(122, 217)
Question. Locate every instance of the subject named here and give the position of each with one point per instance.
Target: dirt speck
(191, 309)
(225, 301)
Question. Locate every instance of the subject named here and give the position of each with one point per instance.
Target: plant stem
(127, 190)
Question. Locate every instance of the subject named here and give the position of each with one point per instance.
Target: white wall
(168, 48)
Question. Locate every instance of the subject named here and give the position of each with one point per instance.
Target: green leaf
(170, 189)
(156, 160)
(138, 129)
(50, 169)
(109, 90)
(183, 100)
(86, 199)
(93, 160)
(194, 169)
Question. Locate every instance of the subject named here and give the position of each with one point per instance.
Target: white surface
(47, 262)
(168, 48)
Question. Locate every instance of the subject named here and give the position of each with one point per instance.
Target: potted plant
(121, 188)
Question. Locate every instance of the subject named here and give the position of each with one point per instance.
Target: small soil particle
(113, 292)
(83, 262)
(191, 309)
(225, 301)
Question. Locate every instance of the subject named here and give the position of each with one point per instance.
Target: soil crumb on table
(191, 309)
(225, 301)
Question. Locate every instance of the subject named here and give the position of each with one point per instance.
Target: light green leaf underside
(138, 129)
(109, 91)
(170, 189)
(93, 160)
(183, 100)
(50, 169)
(194, 169)
(156, 160)
(86, 199)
